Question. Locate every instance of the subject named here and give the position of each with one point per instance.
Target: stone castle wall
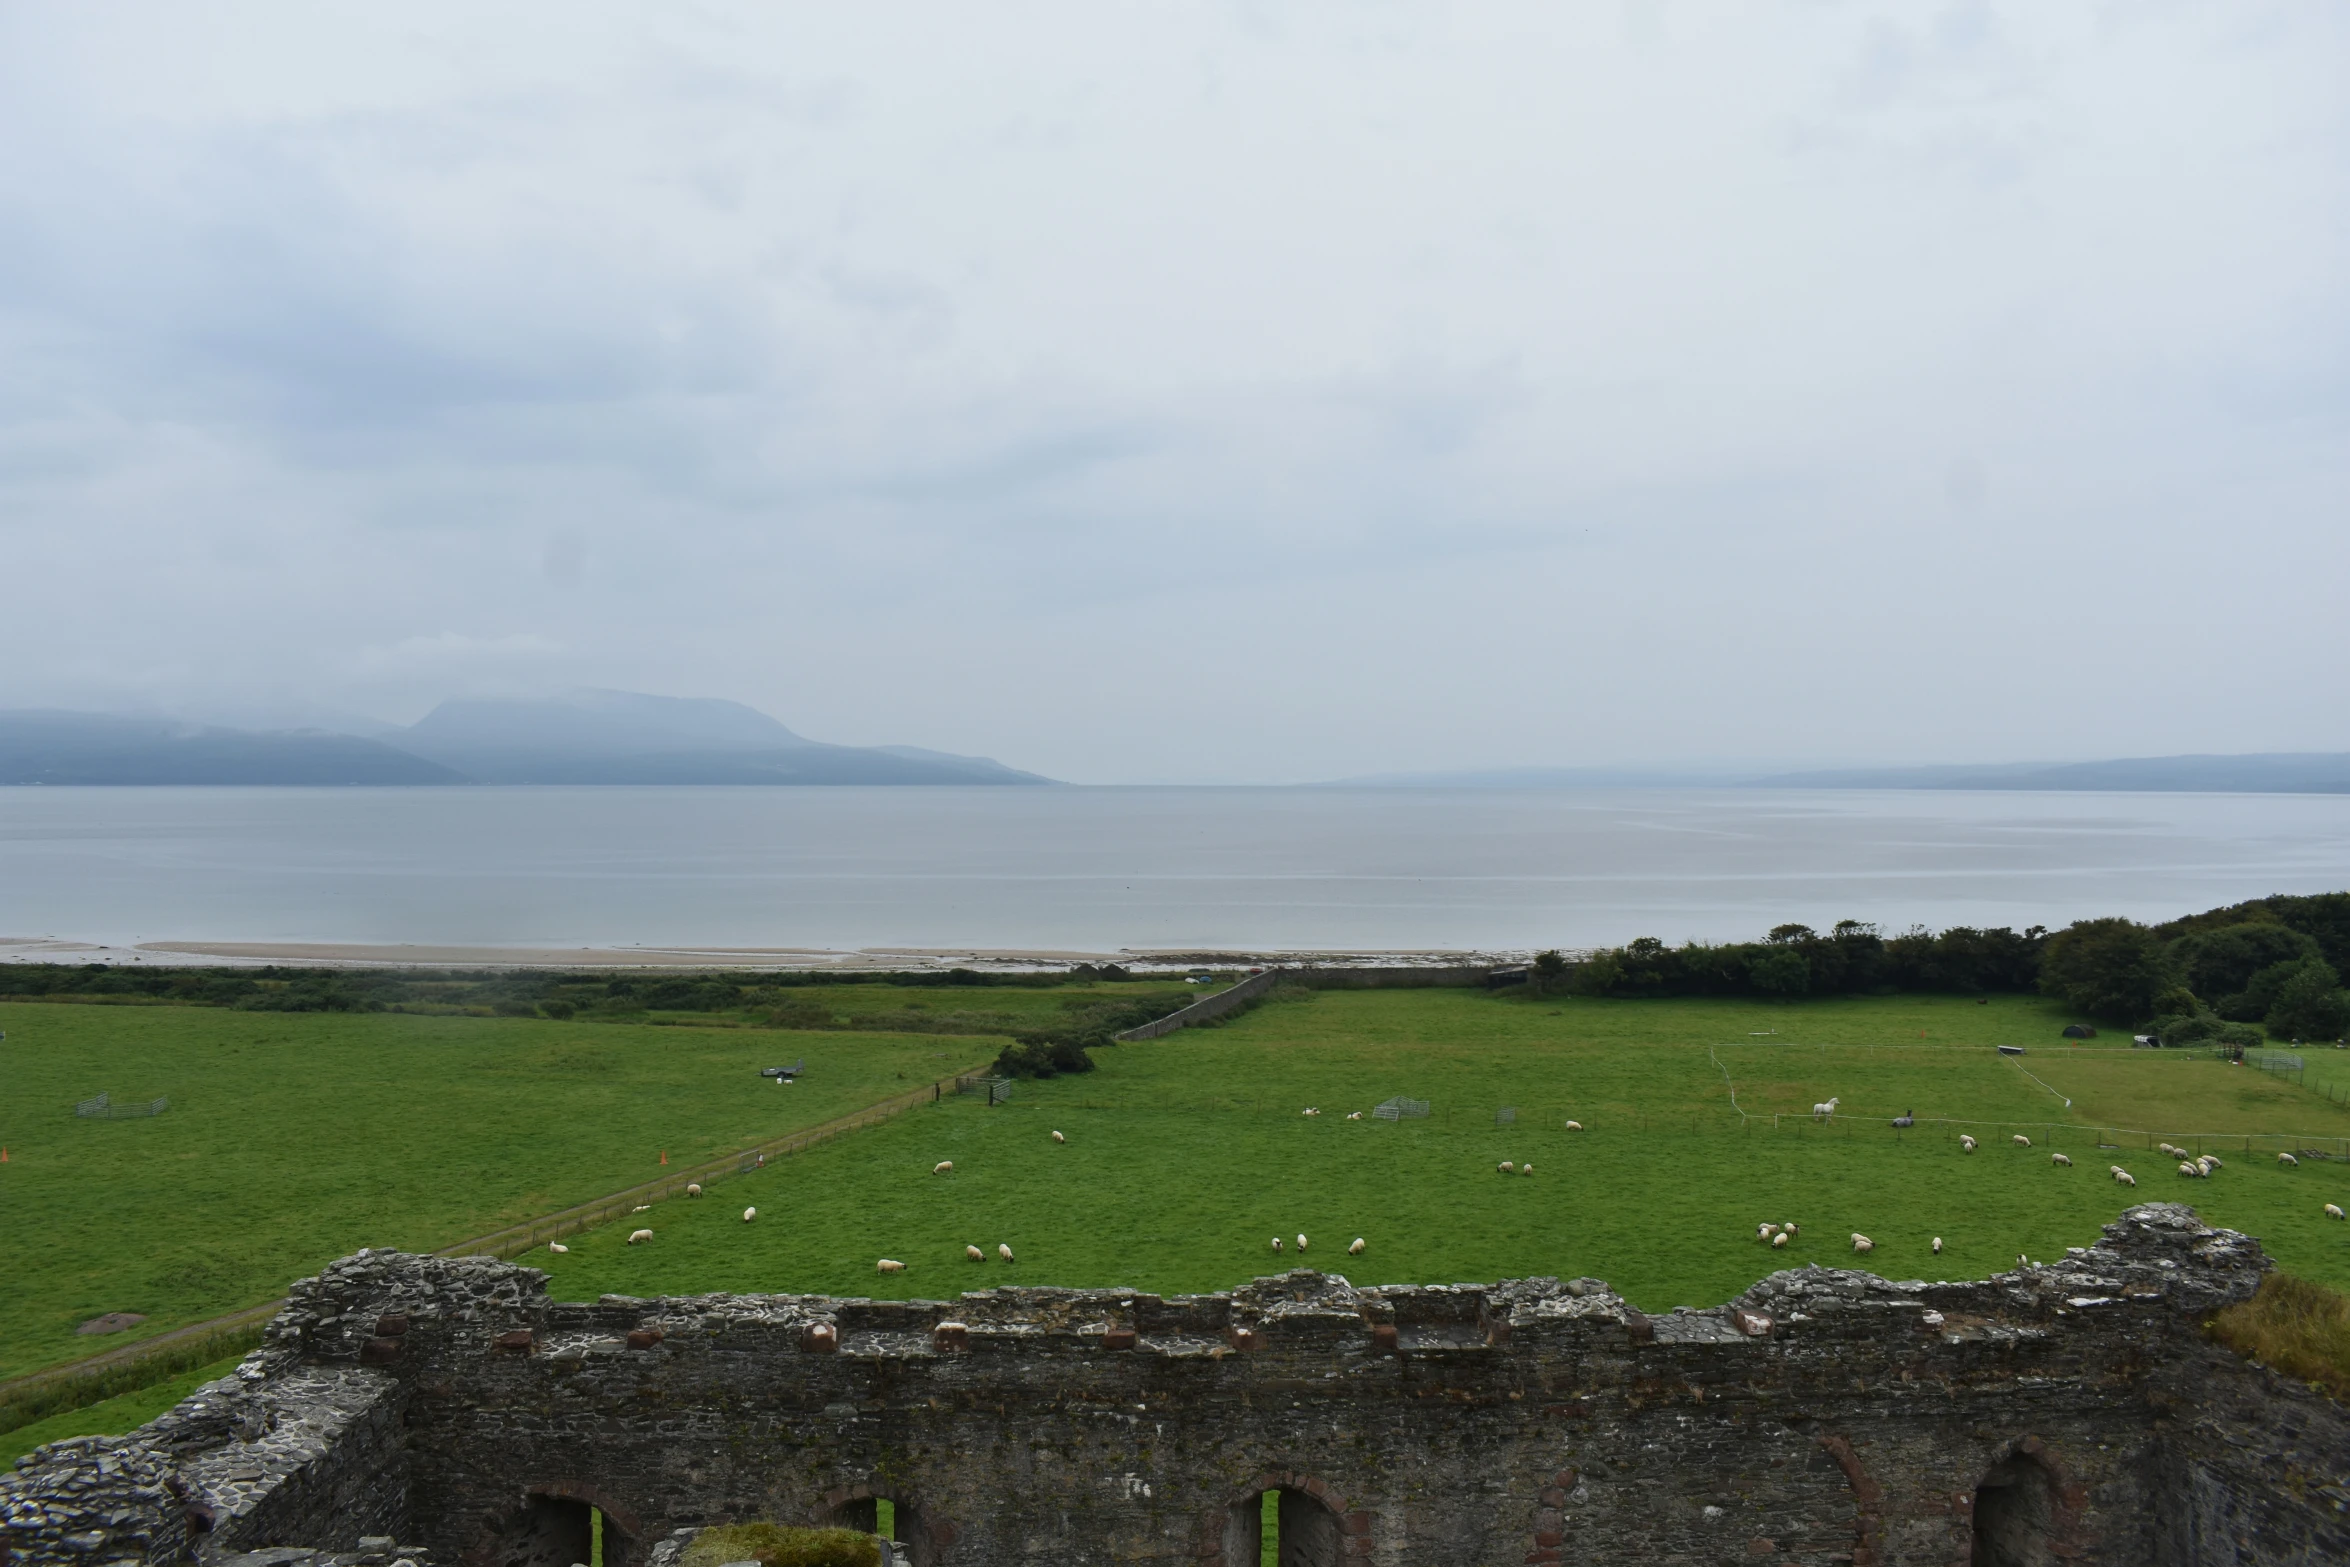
(2071, 1411)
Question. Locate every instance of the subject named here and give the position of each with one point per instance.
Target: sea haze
(1103, 869)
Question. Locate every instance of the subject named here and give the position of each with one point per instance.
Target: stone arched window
(2020, 1511)
(558, 1526)
(1292, 1520)
(881, 1509)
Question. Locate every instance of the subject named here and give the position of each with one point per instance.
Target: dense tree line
(2269, 969)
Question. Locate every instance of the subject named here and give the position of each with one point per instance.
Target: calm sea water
(1102, 869)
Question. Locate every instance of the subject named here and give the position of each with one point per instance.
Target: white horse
(1821, 1112)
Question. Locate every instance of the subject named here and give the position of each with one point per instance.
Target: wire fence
(101, 1108)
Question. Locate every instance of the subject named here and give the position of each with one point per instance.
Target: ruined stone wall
(2069, 1411)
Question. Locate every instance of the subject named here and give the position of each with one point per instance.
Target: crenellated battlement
(1825, 1415)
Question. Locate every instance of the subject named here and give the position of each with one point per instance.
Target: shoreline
(877, 960)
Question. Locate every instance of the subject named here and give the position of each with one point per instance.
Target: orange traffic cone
(3, 1156)
(664, 1156)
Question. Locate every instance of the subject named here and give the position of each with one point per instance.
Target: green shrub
(561, 1011)
(2293, 1326)
(772, 1545)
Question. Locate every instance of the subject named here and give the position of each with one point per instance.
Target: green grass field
(1187, 1154)
(295, 1138)
(109, 1417)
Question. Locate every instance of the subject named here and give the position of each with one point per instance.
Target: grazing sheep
(2287, 1159)
(693, 1188)
(1355, 1250)
(1906, 1119)
(1762, 1232)
(2189, 1171)
(749, 1214)
(1937, 1245)
(557, 1247)
(1301, 1243)
(1276, 1243)
(943, 1167)
(975, 1254)
(2333, 1211)
(1825, 1109)
(1792, 1228)
(642, 1207)
(2125, 1178)
(2021, 1141)
(2057, 1158)
(1525, 1169)
(889, 1265)
(1779, 1239)
(1574, 1126)
(1506, 1168)
(1004, 1251)
(1966, 1142)
(2022, 1261)
(1861, 1242)
(1354, 1115)
(1058, 1138)
(2175, 1153)
(1310, 1110)
(640, 1237)
(2213, 1160)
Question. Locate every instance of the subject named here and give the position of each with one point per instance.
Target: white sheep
(1966, 1142)
(1862, 1243)
(2175, 1153)
(693, 1188)
(943, 1167)
(2189, 1171)
(1354, 1115)
(1937, 1245)
(2021, 1141)
(749, 1214)
(1506, 1168)
(1058, 1138)
(1825, 1109)
(1574, 1126)
(558, 1248)
(2213, 1160)
(889, 1265)
(1355, 1250)
(975, 1254)
(1310, 1110)
(1525, 1169)
(1762, 1232)
(1792, 1228)
(2125, 1178)
(642, 1207)
(640, 1237)
(2333, 1210)
(1301, 1243)
(2287, 1159)
(1276, 1243)
(2057, 1158)
(1779, 1239)
(1003, 1250)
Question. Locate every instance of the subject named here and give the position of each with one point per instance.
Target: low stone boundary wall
(1208, 1008)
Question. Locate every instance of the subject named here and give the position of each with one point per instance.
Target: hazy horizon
(1207, 395)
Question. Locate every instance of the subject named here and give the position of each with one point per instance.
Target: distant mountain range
(2292, 772)
(586, 737)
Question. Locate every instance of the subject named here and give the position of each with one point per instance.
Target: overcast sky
(1189, 392)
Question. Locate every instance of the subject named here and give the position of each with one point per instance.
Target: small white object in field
(1779, 1239)
(942, 1167)
(1574, 1126)
(1762, 1232)
(693, 1188)
(1003, 1250)
(2213, 1160)
(1354, 1115)
(1355, 1250)
(1058, 1138)
(2022, 1261)
(1966, 1142)
(1792, 1228)
(2057, 1158)
(1311, 1111)
(642, 1207)
(2286, 1158)
(557, 1247)
(749, 1214)
(889, 1265)
(2021, 1141)
(1861, 1242)
(640, 1237)
(975, 1254)
(1525, 1169)
(1937, 1245)
(1506, 1168)
(2333, 1210)
(1276, 1243)
(2125, 1178)
(1825, 1109)
(1301, 1243)
(2189, 1170)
